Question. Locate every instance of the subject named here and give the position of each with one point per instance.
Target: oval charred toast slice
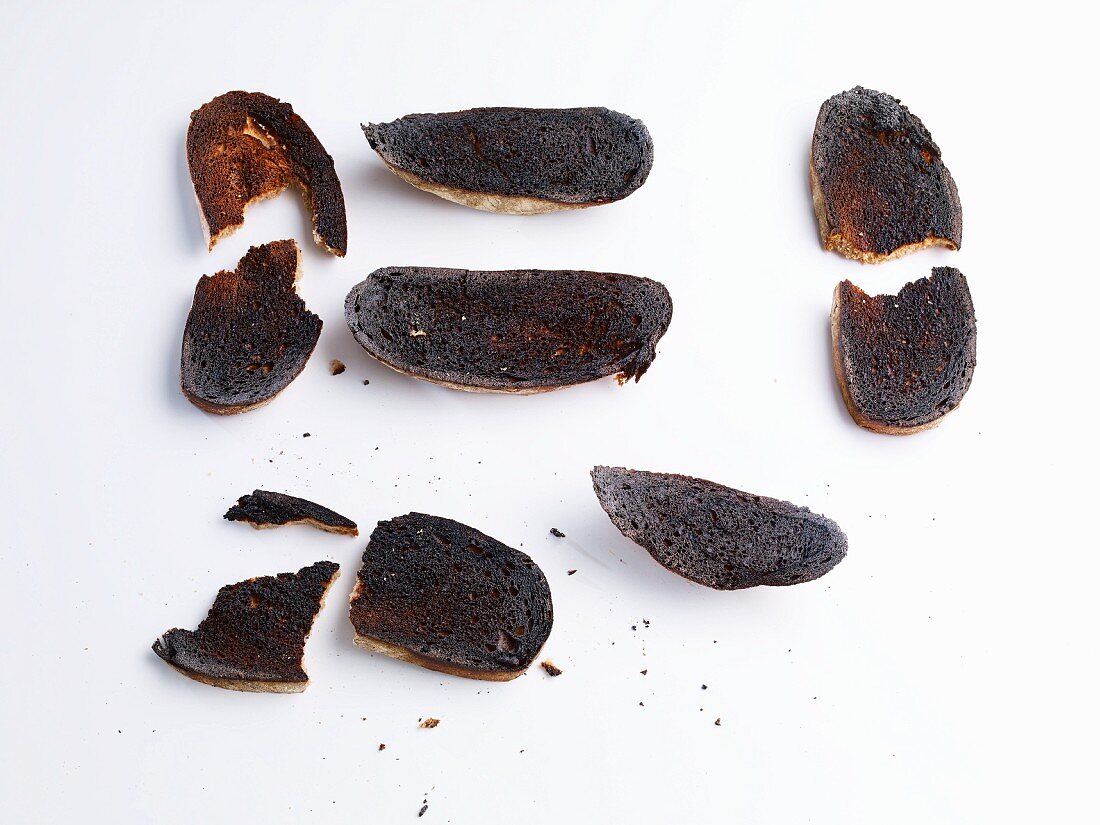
(904, 361)
(518, 161)
(264, 509)
(879, 186)
(717, 536)
(447, 597)
(243, 147)
(254, 636)
(248, 334)
(518, 331)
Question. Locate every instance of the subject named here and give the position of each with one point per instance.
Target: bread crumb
(381, 746)
(551, 668)
(429, 723)
(423, 810)
(718, 722)
(554, 531)
(337, 366)
(570, 572)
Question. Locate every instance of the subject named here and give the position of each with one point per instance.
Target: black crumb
(366, 381)
(305, 435)
(645, 622)
(644, 672)
(381, 746)
(641, 704)
(423, 810)
(570, 572)
(718, 722)
(551, 668)
(337, 366)
(634, 627)
(704, 687)
(554, 531)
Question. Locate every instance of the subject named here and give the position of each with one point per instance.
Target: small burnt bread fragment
(519, 331)
(264, 509)
(248, 334)
(253, 638)
(429, 723)
(447, 597)
(879, 185)
(550, 668)
(717, 536)
(243, 147)
(518, 161)
(905, 361)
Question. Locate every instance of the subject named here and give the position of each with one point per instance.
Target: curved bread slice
(243, 147)
(254, 636)
(904, 361)
(717, 536)
(445, 596)
(264, 509)
(880, 188)
(519, 331)
(518, 161)
(248, 334)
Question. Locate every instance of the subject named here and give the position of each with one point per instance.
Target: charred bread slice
(243, 147)
(254, 636)
(717, 536)
(879, 185)
(447, 597)
(518, 161)
(248, 334)
(904, 361)
(264, 509)
(518, 331)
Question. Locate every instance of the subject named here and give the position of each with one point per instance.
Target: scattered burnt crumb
(337, 366)
(570, 572)
(641, 704)
(634, 627)
(704, 687)
(644, 672)
(718, 722)
(429, 722)
(381, 746)
(423, 809)
(305, 435)
(554, 531)
(645, 622)
(551, 668)
(366, 382)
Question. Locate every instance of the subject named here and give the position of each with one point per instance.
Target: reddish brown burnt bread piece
(243, 147)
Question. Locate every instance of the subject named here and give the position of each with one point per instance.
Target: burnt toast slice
(253, 639)
(263, 509)
(518, 161)
(880, 188)
(717, 536)
(447, 597)
(517, 331)
(904, 361)
(243, 147)
(248, 334)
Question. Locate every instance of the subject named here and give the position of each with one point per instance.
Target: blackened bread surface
(243, 147)
(879, 185)
(520, 331)
(904, 361)
(448, 597)
(266, 509)
(717, 536)
(254, 636)
(248, 334)
(518, 161)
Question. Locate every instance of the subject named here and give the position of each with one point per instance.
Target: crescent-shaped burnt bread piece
(879, 186)
(518, 161)
(447, 597)
(254, 636)
(248, 334)
(717, 536)
(904, 361)
(243, 147)
(264, 509)
(519, 331)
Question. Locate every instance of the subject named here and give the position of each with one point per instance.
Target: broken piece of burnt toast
(243, 147)
(880, 188)
(253, 638)
(248, 334)
(518, 161)
(263, 509)
(517, 331)
(717, 536)
(447, 597)
(905, 361)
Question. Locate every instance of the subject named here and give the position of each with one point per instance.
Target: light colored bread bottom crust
(309, 522)
(406, 655)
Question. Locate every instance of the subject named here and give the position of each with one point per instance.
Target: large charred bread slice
(518, 161)
(248, 334)
(445, 596)
(904, 361)
(879, 185)
(717, 536)
(243, 147)
(264, 509)
(519, 331)
(254, 636)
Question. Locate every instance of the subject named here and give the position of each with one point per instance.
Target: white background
(944, 672)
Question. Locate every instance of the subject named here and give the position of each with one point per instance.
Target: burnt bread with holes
(717, 536)
(243, 147)
(880, 188)
(518, 161)
(253, 638)
(248, 334)
(518, 331)
(905, 361)
(263, 509)
(447, 597)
